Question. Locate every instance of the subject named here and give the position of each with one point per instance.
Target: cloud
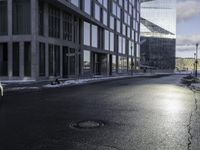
(185, 48)
(188, 40)
(187, 9)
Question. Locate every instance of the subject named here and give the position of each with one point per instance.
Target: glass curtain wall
(21, 17)
(3, 18)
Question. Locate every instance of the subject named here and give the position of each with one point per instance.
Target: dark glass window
(67, 27)
(3, 59)
(54, 60)
(27, 59)
(57, 60)
(54, 22)
(15, 59)
(3, 18)
(42, 59)
(21, 17)
(41, 18)
(51, 63)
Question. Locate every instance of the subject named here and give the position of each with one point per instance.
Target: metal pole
(196, 59)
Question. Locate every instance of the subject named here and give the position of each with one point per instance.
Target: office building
(158, 34)
(43, 39)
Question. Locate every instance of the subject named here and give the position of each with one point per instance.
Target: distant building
(158, 34)
(187, 64)
(42, 39)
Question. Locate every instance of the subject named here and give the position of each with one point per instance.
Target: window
(41, 18)
(118, 26)
(97, 12)
(87, 6)
(42, 59)
(15, 58)
(21, 17)
(106, 40)
(125, 4)
(54, 60)
(75, 2)
(122, 64)
(114, 8)
(112, 23)
(120, 2)
(3, 59)
(105, 19)
(86, 60)
(27, 59)
(94, 36)
(124, 29)
(86, 35)
(138, 50)
(124, 45)
(111, 41)
(67, 26)
(105, 3)
(119, 44)
(114, 64)
(131, 48)
(54, 22)
(3, 18)
(118, 12)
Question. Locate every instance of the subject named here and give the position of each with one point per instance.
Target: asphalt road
(138, 114)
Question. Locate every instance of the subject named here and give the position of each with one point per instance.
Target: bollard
(1, 89)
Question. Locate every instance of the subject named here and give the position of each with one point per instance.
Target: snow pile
(195, 86)
(82, 81)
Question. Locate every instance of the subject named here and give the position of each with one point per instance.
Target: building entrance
(69, 62)
(99, 64)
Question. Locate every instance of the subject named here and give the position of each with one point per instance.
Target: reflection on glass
(94, 36)
(86, 60)
(86, 34)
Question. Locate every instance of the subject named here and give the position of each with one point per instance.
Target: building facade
(42, 39)
(158, 34)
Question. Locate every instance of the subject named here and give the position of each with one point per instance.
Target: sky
(188, 28)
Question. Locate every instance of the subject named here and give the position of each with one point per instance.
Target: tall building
(158, 34)
(42, 39)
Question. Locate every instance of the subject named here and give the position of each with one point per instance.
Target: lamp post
(196, 62)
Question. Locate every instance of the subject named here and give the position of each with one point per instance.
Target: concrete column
(61, 24)
(46, 19)
(46, 60)
(21, 60)
(9, 18)
(34, 33)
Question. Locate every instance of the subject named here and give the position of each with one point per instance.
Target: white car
(1, 89)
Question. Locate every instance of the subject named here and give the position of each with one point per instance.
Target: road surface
(137, 114)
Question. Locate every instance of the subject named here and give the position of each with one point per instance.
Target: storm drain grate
(87, 124)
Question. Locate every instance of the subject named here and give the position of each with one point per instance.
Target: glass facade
(158, 34)
(66, 38)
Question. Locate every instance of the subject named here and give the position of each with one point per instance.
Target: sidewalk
(17, 85)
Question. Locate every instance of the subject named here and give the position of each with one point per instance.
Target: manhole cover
(87, 124)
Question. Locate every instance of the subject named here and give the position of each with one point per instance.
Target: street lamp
(196, 62)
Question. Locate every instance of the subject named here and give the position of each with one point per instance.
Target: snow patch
(22, 88)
